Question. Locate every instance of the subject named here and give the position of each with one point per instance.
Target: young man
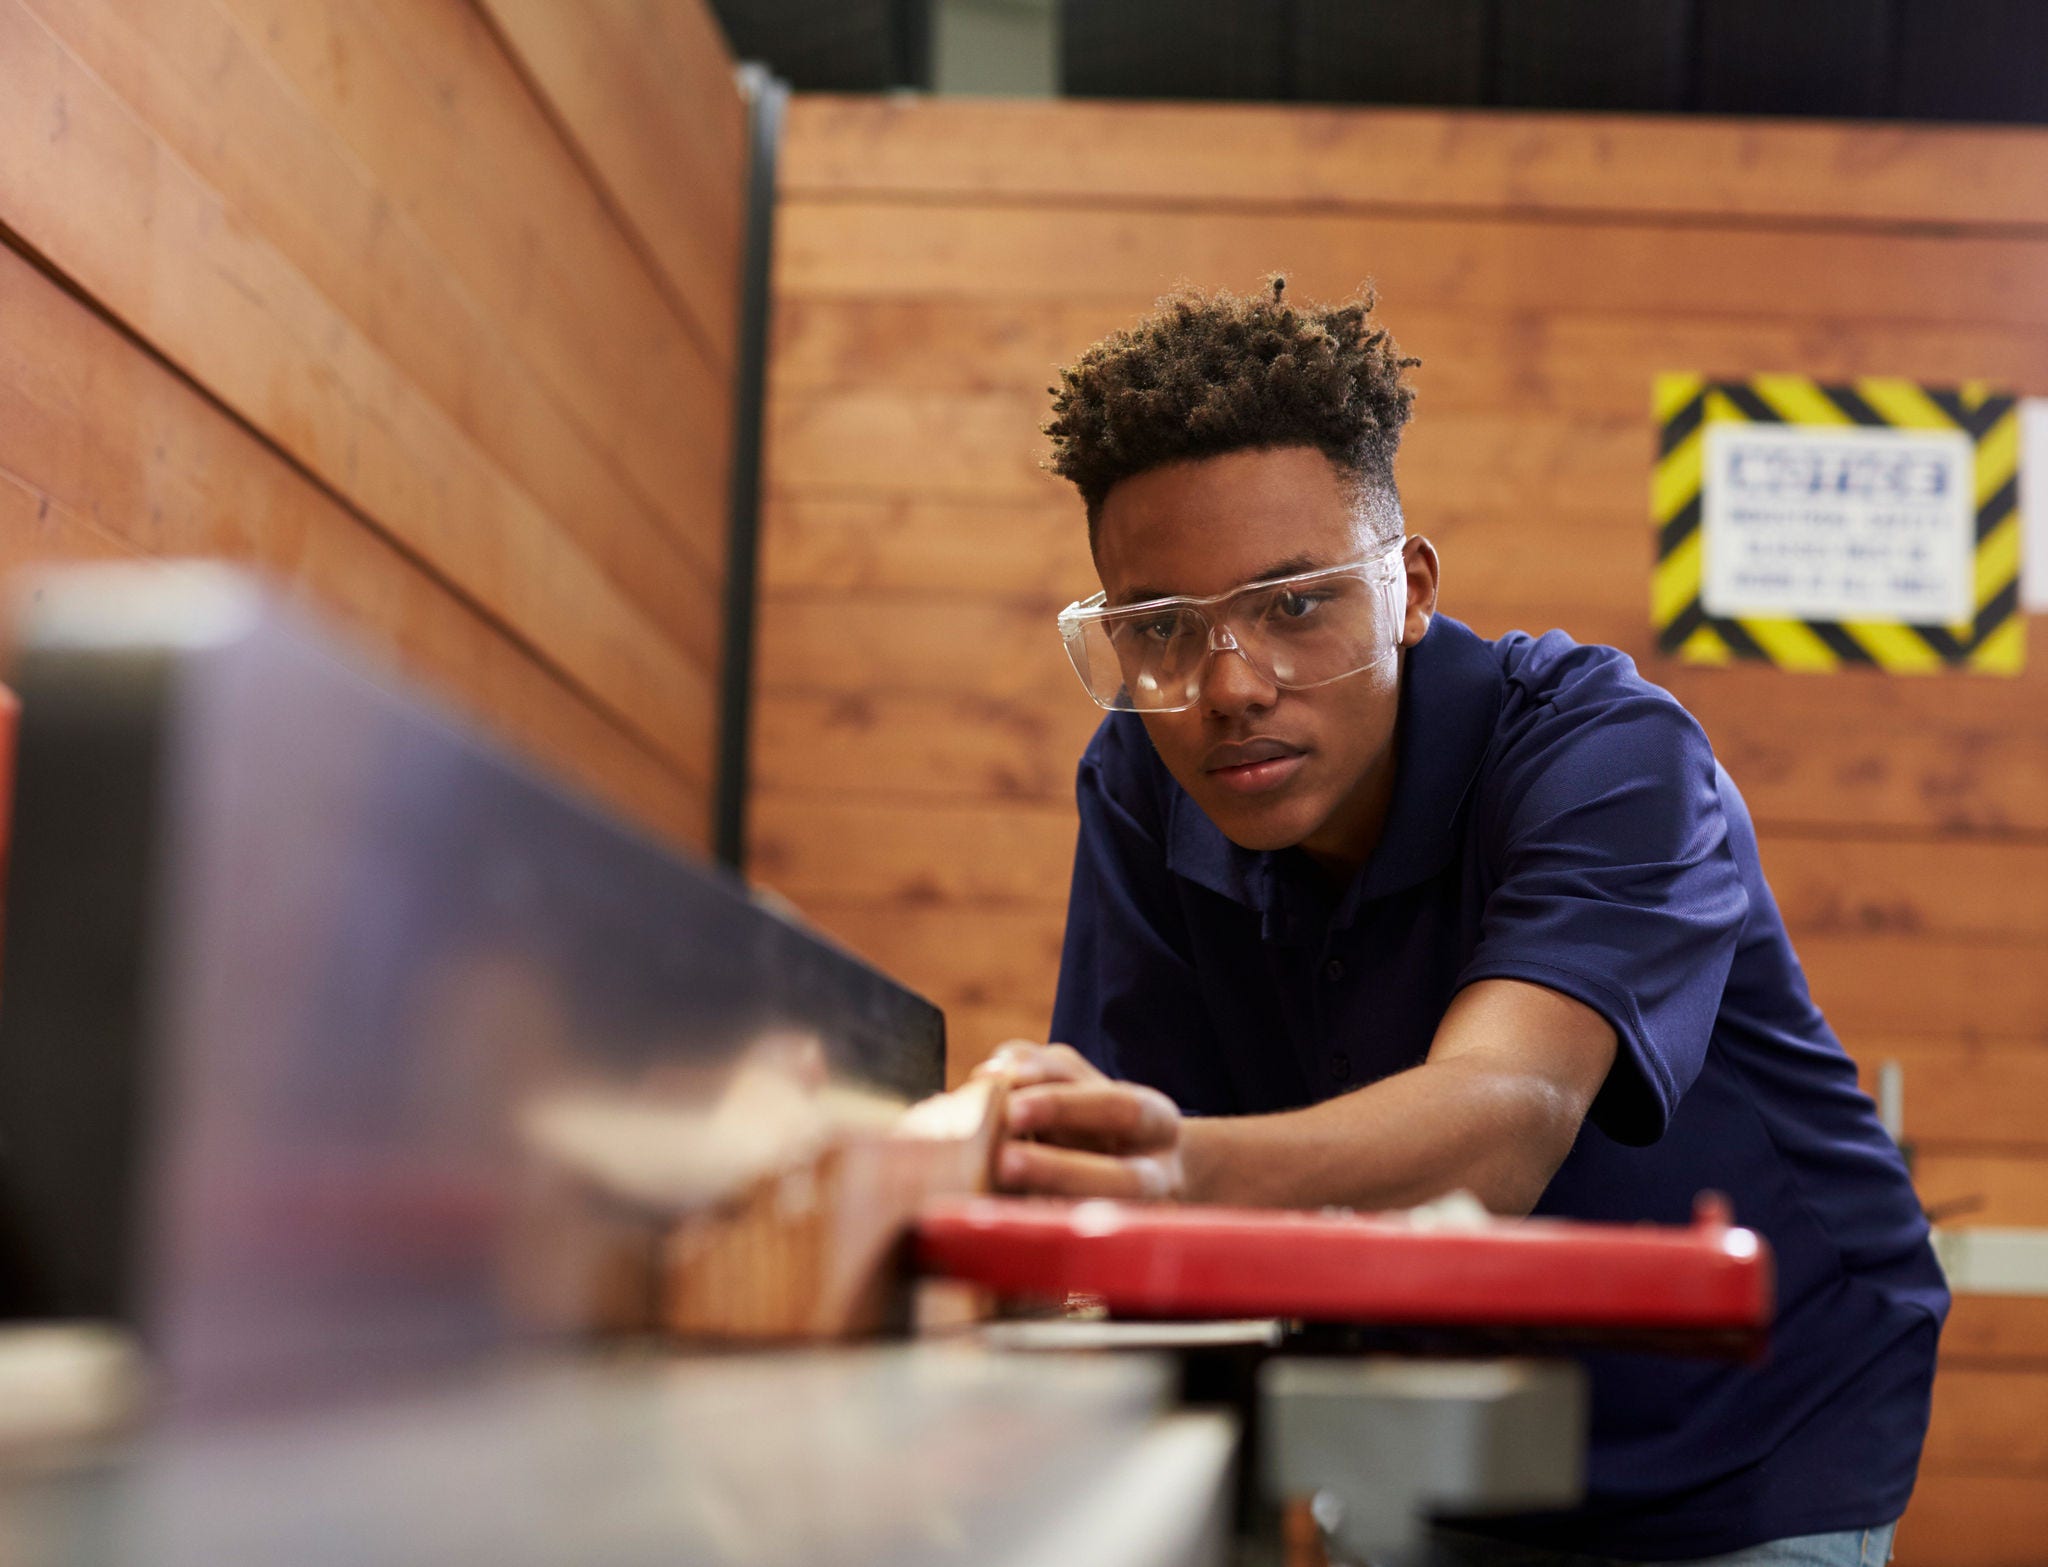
(1367, 908)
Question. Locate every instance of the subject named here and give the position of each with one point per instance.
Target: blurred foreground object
(63, 1384)
(296, 963)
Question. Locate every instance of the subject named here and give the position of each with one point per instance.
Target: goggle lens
(1297, 632)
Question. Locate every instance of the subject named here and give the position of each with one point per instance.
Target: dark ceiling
(1967, 60)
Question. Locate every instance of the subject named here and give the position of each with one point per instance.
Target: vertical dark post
(766, 99)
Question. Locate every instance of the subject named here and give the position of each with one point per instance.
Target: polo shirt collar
(1451, 693)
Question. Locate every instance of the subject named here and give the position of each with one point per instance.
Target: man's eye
(1159, 630)
(1298, 606)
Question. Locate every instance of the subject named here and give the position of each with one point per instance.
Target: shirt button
(1340, 1068)
(1334, 969)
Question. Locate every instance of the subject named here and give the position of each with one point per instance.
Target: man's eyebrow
(1140, 595)
(1292, 566)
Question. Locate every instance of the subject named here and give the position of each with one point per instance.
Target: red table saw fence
(1709, 1279)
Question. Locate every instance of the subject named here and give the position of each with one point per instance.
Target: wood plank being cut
(816, 1250)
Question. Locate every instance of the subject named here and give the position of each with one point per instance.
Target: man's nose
(1229, 682)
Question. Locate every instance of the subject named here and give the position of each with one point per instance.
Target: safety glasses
(1299, 631)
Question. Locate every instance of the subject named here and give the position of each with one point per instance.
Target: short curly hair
(1214, 373)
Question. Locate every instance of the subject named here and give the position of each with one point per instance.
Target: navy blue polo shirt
(1555, 819)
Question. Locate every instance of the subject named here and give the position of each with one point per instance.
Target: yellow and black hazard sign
(1817, 525)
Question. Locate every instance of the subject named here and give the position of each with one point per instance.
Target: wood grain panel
(1992, 890)
(2001, 1190)
(124, 458)
(904, 545)
(1876, 753)
(979, 150)
(912, 853)
(1975, 1521)
(919, 747)
(1539, 360)
(935, 644)
(215, 99)
(35, 532)
(1994, 1329)
(647, 92)
(1965, 1092)
(1006, 957)
(111, 205)
(1989, 1422)
(893, 249)
(422, 93)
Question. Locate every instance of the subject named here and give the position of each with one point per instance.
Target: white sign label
(1838, 524)
(2034, 503)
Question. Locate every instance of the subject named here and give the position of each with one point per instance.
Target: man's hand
(1072, 1131)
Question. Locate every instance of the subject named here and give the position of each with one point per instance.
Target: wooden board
(647, 95)
(216, 99)
(904, 544)
(1535, 360)
(1989, 1422)
(959, 855)
(817, 1250)
(917, 746)
(424, 95)
(1265, 156)
(109, 203)
(105, 453)
(1994, 1330)
(1974, 1521)
(1961, 1093)
(2002, 1190)
(904, 248)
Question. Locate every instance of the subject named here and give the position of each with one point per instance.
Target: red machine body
(1710, 1280)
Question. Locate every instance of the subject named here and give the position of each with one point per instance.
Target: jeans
(1849, 1548)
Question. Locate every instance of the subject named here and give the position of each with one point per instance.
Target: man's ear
(1418, 558)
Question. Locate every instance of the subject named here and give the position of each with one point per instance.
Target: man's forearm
(1464, 1123)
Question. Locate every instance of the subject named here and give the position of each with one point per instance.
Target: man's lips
(1252, 766)
(1242, 753)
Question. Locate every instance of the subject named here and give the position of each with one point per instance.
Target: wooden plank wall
(917, 727)
(425, 307)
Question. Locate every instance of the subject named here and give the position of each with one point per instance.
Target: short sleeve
(1616, 883)
(1128, 995)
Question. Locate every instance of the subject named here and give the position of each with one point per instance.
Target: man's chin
(1262, 831)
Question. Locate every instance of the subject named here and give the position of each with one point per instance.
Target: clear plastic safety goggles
(1299, 631)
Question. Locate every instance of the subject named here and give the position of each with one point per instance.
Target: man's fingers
(1109, 1116)
(1024, 1063)
(1047, 1171)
